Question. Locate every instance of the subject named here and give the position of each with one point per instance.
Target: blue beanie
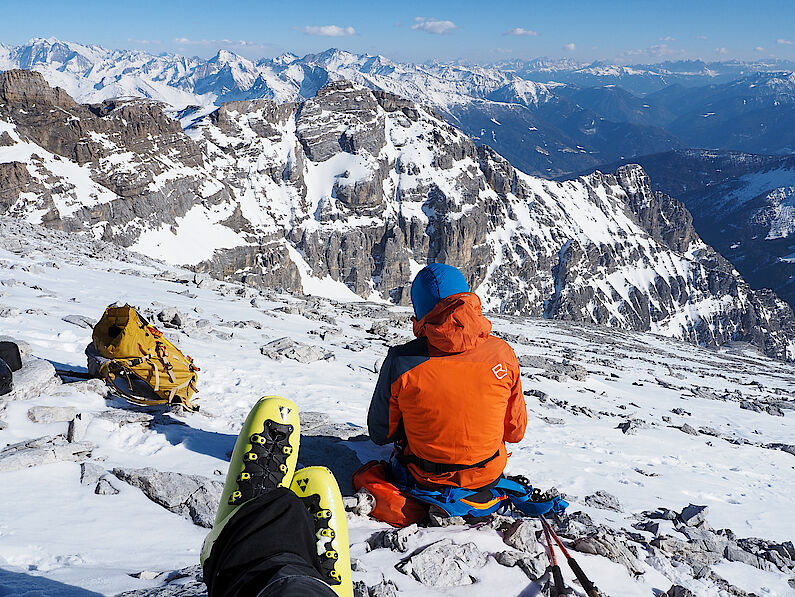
(435, 282)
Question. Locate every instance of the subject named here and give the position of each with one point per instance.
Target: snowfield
(703, 427)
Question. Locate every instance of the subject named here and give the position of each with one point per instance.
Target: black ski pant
(266, 549)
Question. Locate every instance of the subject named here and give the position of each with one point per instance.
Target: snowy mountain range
(549, 118)
(349, 193)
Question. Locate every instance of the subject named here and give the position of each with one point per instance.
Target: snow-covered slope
(742, 204)
(700, 426)
(360, 189)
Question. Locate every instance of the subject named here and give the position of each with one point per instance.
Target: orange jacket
(453, 395)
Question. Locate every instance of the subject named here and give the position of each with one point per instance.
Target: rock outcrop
(352, 190)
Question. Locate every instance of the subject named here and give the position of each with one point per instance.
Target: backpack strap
(439, 468)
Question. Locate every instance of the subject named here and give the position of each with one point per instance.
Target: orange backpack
(391, 505)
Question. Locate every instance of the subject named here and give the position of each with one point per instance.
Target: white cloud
(667, 38)
(432, 25)
(721, 51)
(145, 42)
(656, 51)
(184, 41)
(702, 37)
(242, 46)
(521, 32)
(328, 31)
(759, 49)
(785, 42)
(570, 46)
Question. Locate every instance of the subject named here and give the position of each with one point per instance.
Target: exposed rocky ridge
(361, 188)
(743, 205)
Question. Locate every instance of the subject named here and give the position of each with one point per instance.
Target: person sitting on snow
(450, 399)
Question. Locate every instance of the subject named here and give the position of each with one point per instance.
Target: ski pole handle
(590, 588)
(585, 582)
(560, 588)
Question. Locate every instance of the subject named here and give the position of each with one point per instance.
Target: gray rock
(562, 371)
(290, 349)
(51, 414)
(444, 564)
(78, 427)
(734, 553)
(782, 555)
(688, 429)
(694, 515)
(613, 548)
(40, 451)
(704, 539)
(522, 536)
(553, 421)
(170, 317)
(542, 396)
(80, 321)
(649, 526)
(788, 448)
(604, 501)
(533, 565)
(360, 589)
(679, 591)
(437, 518)
(631, 426)
(90, 473)
(394, 539)
(191, 496)
(124, 417)
(36, 377)
(186, 582)
(146, 574)
(105, 486)
(689, 553)
(361, 503)
(530, 360)
(386, 588)
(549, 274)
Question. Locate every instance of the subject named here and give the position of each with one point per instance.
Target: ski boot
(265, 457)
(318, 489)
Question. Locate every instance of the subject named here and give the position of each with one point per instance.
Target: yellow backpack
(136, 351)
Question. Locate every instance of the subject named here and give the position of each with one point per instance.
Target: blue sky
(481, 32)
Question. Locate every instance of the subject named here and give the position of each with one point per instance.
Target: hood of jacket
(455, 324)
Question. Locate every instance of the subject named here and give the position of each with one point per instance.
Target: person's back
(453, 396)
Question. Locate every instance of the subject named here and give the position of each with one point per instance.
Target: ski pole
(589, 587)
(559, 589)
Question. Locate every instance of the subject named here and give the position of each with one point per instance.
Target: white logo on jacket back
(499, 371)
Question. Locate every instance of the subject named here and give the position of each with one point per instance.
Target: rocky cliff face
(351, 192)
(742, 204)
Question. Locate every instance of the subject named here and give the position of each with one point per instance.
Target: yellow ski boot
(265, 457)
(318, 489)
